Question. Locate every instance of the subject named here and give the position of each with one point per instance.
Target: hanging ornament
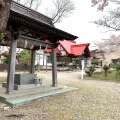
(25, 43)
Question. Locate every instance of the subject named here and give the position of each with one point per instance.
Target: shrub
(90, 70)
(106, 68)
(117, 67)
(5, 60)
(2, 36)
(95, 63)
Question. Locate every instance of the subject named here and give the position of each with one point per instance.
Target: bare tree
(34, 4)
(60, 10)
(110, 44)
(17, 0)
(4, 13)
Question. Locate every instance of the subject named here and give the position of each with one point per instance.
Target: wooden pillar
(11, 67)
(32, 70)
(54, 67)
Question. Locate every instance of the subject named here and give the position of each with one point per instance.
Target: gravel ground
(94, 100)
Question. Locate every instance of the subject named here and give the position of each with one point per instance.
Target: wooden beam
(36, 41)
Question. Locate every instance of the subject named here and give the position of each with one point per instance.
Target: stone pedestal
(23, 79)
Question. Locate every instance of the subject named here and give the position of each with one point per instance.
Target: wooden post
(32, 70)
(11, 67)
(82, 63)
(54, 68)
(46, 62)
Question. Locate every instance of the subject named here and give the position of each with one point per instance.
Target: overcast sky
(79, 22)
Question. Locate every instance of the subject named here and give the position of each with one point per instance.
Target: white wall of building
(41, 58)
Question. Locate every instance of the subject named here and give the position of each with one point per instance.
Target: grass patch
(111, 77)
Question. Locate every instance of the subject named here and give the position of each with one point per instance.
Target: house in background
(1, 59)
(111, 57)
(105, 57)
(98, 55)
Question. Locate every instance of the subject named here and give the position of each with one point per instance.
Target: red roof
(72, 48)
(50, 51)
(67, 45)
(75, 49)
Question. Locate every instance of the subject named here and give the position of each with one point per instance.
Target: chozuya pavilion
(29, 29)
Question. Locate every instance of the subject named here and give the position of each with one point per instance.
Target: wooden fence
(18, 67)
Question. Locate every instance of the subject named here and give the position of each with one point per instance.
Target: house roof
(98, 57)
(67, 45)
(75, 49)
(97, 51)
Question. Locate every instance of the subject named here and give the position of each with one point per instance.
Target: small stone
(2, 105)
(6, 108)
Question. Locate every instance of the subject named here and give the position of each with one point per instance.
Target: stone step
(28, 98)
(32, 91)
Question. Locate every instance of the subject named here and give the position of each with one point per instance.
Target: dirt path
(94, 100)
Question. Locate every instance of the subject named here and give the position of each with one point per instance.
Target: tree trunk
(4, 14)
(105, 73)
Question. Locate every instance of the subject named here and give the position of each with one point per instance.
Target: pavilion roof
(38, 23)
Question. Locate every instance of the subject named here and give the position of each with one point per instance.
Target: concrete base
(23, 87)
(23, 97)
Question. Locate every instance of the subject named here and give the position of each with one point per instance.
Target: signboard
(83, 63)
